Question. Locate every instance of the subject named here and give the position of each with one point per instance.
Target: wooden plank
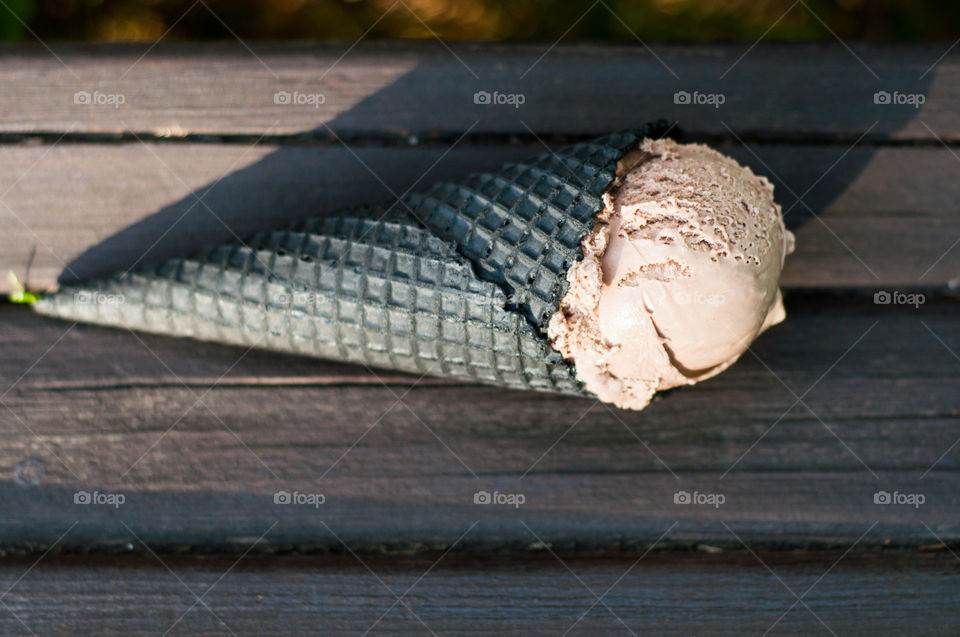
(424, 89)
(892, 593)
(888, 216)
(199, 465)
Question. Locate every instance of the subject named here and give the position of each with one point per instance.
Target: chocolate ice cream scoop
(678, 276)
(467, 279)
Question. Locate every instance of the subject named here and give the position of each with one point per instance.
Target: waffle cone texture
(459, 280)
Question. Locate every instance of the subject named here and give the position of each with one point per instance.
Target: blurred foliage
(498, 20)
(14, 18)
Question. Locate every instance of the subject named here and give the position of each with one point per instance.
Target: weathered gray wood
(68, 201)
(889, 216)
(425, 89)
(103, 410)
(199, 438)
(890, 593)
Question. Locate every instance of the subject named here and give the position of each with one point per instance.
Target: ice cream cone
(460, 280)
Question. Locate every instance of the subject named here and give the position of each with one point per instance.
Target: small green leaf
(19, 294)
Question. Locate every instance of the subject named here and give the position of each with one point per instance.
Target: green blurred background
(499, 20)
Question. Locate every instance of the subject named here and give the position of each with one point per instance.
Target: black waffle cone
(457, 281)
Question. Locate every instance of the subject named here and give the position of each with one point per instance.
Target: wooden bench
(184, 145)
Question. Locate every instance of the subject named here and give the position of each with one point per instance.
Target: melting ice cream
(678, 276)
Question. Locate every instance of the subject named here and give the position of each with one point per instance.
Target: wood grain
(845, 400)
(890, 593)
(199, 464)
(886, 217)
(426, 89)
